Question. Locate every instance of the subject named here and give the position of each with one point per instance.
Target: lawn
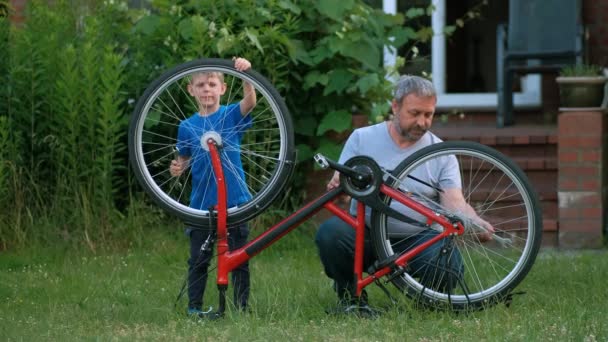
(59, 293)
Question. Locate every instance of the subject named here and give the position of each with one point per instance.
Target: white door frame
(530, 97)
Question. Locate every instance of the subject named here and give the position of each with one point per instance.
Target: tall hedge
(70, 75)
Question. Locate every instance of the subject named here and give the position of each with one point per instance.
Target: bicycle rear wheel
(266, 148)
(464, 273)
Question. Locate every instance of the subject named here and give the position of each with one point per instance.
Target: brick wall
(595, 17)
(582, 178)
(17, 11)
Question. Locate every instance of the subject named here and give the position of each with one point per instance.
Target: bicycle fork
(222, 231)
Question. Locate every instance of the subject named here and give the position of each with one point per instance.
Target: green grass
(58, 293)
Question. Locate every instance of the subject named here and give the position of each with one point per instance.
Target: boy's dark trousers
(199, 265)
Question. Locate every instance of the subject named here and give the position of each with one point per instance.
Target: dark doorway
(471, 50)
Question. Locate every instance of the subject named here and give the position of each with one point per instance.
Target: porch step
(491, 136)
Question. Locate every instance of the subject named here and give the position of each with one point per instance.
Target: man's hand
(334, 182)
(485, 230)
(453, 200)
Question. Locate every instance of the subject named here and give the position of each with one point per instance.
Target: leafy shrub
(68, 86)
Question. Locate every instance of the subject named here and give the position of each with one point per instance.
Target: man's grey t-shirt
(375, 142)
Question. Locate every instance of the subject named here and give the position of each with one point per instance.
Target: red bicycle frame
(229, 260)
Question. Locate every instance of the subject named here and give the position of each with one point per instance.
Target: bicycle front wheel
(463, 272)
(265, 149)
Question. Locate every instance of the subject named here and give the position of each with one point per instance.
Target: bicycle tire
(487, 271)
(266, 149)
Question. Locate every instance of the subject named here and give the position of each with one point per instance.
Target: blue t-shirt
(228, 122)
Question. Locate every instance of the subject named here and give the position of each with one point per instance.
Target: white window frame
(529, 97)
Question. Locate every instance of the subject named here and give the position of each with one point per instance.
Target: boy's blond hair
(219, 75)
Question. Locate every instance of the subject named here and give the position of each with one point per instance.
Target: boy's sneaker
(194, 312)
(198, 313)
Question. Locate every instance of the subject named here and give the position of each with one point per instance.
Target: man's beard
(407, 134)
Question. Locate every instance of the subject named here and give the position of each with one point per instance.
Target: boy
(228, 122)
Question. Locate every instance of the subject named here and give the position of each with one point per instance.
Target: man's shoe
(356, 307)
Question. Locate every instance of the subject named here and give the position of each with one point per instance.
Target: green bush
(67, 88)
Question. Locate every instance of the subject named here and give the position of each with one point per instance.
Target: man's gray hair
(410, 84)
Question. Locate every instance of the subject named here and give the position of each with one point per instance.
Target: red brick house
(563, 153)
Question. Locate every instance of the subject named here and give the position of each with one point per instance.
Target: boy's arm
(249, 99)
(249, 96)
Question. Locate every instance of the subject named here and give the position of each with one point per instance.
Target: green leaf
(329, 148)
(185, 28)
(401, 35)
(313, 78)
(334, 9)
(381, 108)
(338, 81)
(414, 12)
(363, 51)
(338, 121)
(226, 42)
(320, 53)
(252, 35)
(305, 152)
(301, 53)
(306, 126)
(288, 5)
(147, 25)
(425, 34)
(448, 30)
(367, 82)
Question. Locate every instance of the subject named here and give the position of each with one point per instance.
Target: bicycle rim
(266, 148)
(466, 273)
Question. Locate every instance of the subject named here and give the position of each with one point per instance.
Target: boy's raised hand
(241, 64)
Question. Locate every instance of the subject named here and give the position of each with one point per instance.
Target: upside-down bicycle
(492, 184)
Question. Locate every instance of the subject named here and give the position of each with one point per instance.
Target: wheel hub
(211, 135)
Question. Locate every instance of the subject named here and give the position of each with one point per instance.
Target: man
(389, 143)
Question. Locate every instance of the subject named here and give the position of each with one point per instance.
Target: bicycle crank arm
(326, 163)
